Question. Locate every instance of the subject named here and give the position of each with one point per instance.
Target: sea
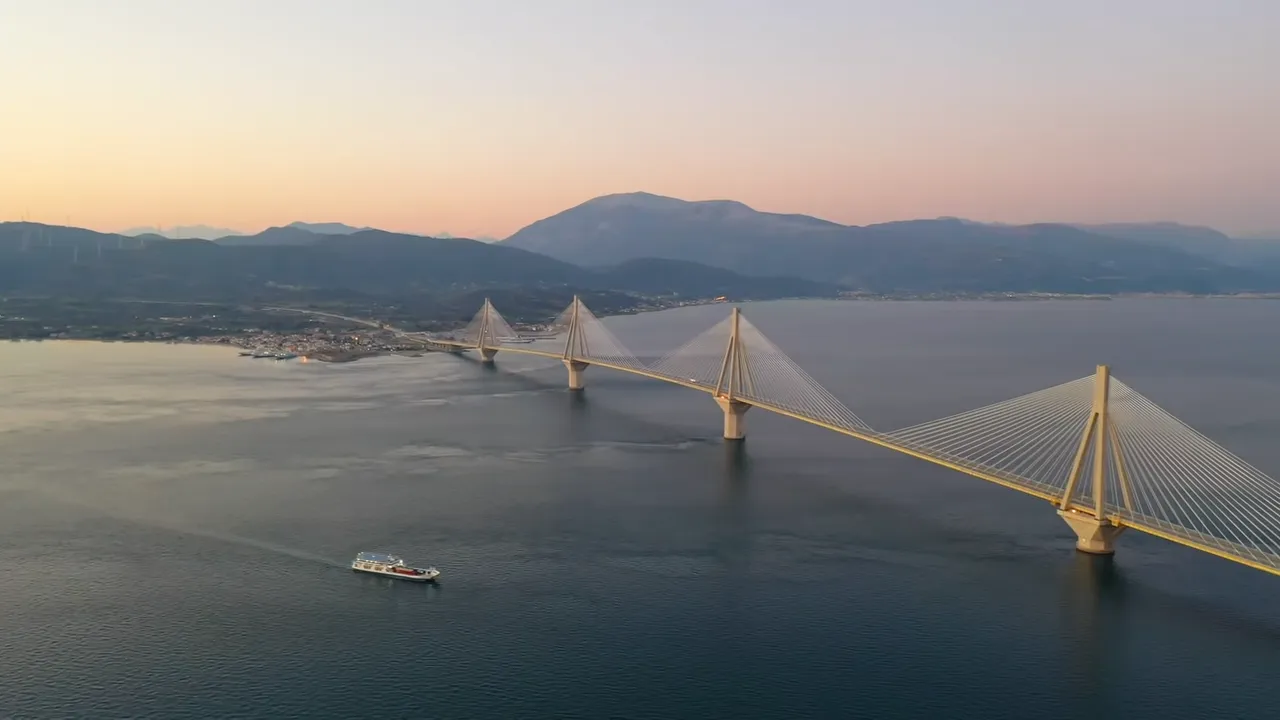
(177, 524)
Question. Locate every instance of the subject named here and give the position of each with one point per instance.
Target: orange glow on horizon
(854, 114)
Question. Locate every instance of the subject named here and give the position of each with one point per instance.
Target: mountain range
(288, 264)
(206, 232)
(915, 256)
(181, 232)
(644, 244)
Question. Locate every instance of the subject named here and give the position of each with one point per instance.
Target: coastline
(394, 343)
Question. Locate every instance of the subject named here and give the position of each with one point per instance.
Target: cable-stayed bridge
(1106, 457)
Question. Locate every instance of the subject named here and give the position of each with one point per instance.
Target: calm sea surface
(176, 523)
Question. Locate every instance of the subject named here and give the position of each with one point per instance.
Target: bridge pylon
(1095, 532)
(733, 382)
(576, 347)
(486, 342)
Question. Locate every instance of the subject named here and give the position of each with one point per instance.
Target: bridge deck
(1266, 562)
(1249, 556)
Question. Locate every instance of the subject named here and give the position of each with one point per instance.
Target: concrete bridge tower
(575, 347)
(1095, 532)
(487, 343)
(734, 381)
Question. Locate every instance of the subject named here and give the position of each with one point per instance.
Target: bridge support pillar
(735, 426)
(487, 354)
(576, 368)
(1094, 536)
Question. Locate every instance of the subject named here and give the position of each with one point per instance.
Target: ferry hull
(425, 577)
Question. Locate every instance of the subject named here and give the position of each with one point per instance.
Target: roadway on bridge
(1150, 472)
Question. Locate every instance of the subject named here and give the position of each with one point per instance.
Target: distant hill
(1270, 235)
(1201, 241)
(200, 232)
(59, 239)
(273, 236)
(944, 255)
(616, 228)
(1194, 239)
(327, 228)
(297, 233)
(659, 277)
(73, 262)
(639, 244)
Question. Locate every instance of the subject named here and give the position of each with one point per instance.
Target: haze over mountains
(206, 232)
(942, 255)
(647, 245)
(282, 265)
(199, 232)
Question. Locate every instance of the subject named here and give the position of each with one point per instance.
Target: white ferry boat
(392, 566)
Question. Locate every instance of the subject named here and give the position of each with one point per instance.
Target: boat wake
(257, 544)
(182, 529)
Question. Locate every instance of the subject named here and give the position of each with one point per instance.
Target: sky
(477, 117)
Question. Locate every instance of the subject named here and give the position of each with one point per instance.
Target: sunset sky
(477, 117)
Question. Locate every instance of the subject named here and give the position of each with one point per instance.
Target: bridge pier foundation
(576, 368)
(735, 426)
(487, 354)
(1094, 536)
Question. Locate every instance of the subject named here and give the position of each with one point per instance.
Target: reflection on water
(1094, 595)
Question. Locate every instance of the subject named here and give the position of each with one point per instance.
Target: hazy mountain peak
(326, 228)
(201, 232)
(614, 228)
(650, 201)
(642, 200)
(944, 254)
